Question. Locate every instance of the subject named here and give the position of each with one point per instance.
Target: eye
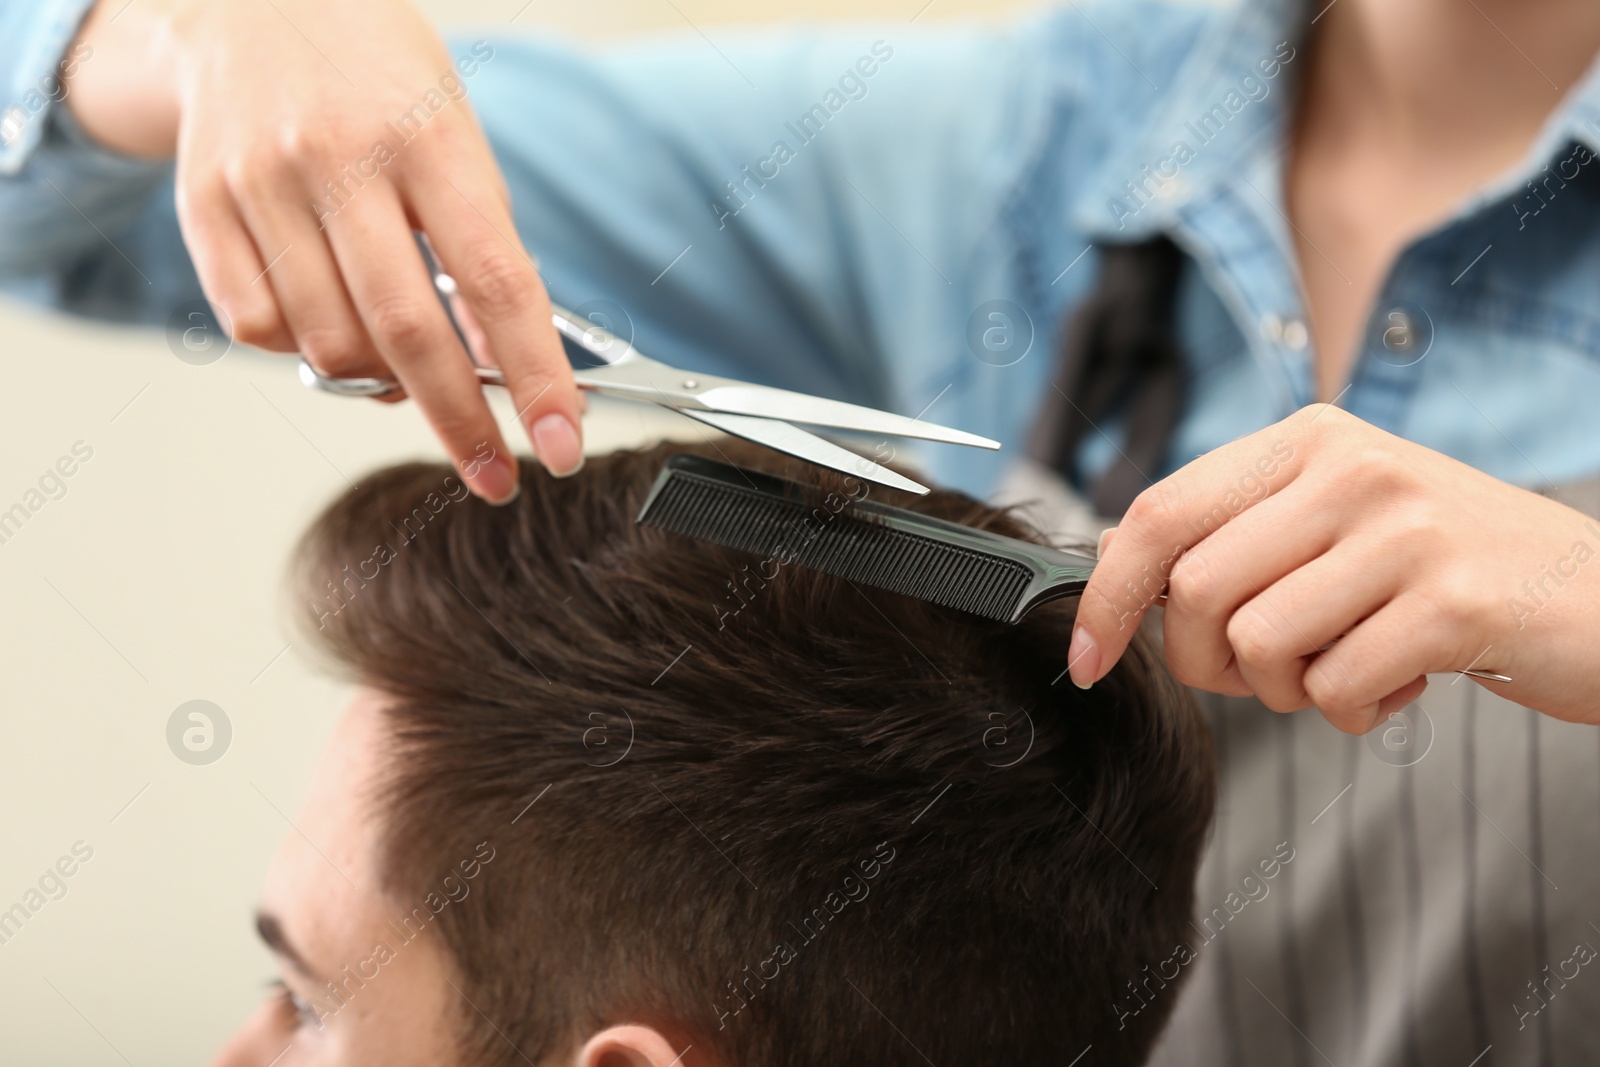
(303, 1012)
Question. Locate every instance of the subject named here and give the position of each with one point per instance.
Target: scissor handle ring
(315, 379)
(374, 387)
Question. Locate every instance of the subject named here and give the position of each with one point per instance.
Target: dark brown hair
(787, 819)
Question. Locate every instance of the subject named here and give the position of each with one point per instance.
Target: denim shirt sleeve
(801, 206)
(34, 38)
(80, 226)
(772, 206)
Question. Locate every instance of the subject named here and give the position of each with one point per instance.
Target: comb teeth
(899, 561)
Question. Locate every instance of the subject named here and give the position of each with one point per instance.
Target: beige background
(154, 581)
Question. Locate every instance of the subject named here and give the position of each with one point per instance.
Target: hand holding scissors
(609, 365)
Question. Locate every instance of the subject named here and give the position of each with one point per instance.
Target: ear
(628, 1046)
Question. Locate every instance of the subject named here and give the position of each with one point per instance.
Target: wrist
(1550, 624)
(125, 90)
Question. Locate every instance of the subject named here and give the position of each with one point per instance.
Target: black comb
(874, 544)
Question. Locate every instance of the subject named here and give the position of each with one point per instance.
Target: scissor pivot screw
(691, 383)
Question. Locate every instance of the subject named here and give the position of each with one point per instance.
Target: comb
(884, 547)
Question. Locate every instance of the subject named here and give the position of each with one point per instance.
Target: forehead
(323, 881)
(333, 830)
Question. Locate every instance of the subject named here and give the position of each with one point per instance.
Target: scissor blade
(791, 440)
(782, 404)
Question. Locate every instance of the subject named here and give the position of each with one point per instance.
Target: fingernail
(1105, 539)
(1083, 658)
(555, 439)
(496, 482)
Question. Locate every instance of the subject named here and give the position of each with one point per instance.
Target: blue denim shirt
(904, 215)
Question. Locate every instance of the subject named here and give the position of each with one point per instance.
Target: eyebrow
(270, 930)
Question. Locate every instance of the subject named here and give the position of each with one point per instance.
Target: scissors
(611, 366)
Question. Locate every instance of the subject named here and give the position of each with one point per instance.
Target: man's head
(612, 797)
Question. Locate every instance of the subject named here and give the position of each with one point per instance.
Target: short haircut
(782, 817)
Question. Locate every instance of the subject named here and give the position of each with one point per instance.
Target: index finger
(470, 226)
(392, 292)
(1165, 521)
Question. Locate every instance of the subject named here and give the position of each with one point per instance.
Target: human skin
(1407, 559)
(1406, 109)
(263, 102)
(324, 892)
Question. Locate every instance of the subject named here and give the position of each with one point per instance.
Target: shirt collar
(1576, 120)
(1230, 96)
(1221, 107)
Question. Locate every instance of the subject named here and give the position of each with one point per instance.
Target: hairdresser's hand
(1323, 527)
(298, 190)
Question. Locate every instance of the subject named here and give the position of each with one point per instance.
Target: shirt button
(1295, 335)
(11, 123)
(1172, 188)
